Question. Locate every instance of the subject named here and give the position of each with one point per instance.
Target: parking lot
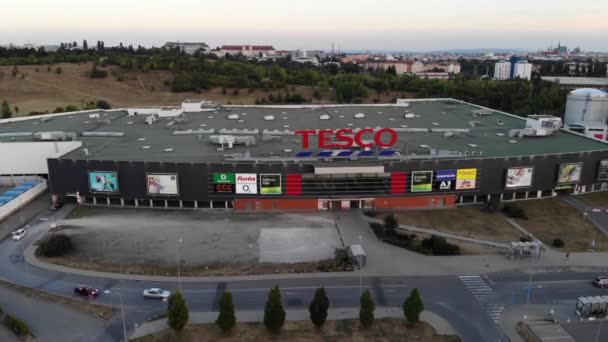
(198, 238)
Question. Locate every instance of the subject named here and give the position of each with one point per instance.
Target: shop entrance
(345, 204)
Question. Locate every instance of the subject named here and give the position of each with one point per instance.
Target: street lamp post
(122, 313)
(360, 266)
(179, 279)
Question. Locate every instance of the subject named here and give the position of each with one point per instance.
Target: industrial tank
(587, 104)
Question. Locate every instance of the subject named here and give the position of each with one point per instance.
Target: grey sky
(314, 24)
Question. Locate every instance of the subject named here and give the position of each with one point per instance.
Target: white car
(156, 293)
(18, 234)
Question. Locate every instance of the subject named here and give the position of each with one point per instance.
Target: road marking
(545, 282)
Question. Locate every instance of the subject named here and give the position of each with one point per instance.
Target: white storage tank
(586, 105)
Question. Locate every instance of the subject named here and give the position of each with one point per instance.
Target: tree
(390, 224)
(274, 314)
(103, 104)
(15, 71)
(366, 311)
(226, 319)
(85, 46)
(318, 307)
(413, 306)
(177, 311)
(58, 70)
(6, 110)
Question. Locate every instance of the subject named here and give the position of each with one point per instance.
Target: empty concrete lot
(152, 237)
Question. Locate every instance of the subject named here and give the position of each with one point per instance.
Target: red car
(84, 290)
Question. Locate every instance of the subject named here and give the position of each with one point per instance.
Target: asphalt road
(471, 304)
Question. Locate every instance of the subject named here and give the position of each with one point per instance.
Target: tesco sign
(347, 138)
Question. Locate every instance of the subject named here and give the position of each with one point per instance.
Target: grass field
(598, 199)
(388, 329)
(549, 219)
(41, 90)
(468, 221)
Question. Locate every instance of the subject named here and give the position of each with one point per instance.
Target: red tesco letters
(345, 138)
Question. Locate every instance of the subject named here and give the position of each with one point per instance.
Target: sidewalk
(442, 326)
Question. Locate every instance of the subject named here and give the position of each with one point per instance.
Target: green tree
(58, 70)
(15, 71)
(390, 224)
(413, 306)
(85, 45)
(177, 311)
(103, 104)
(366, 311)
(6, 110)
(226, 319)
(318, 307)
(274, 314)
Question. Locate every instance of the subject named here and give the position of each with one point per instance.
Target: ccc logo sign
(224, 188)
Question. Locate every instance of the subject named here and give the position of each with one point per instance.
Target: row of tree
(6, 112)
(274, 313)
(348, 82)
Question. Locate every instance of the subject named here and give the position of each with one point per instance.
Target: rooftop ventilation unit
(54, 136)
(233, 116)
(410, 116)
(150, 119)
(271, 138)
(480, 113)
(474, 123)
(324, 117)
(102, 134)
(450, 134)
(231, 140)
(16, 134)
(268, 117)
(94, 116)
(359, 116)
(194, 131)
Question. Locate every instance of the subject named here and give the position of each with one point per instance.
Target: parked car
(601, 281)
(19, 234)
(84, 290)
(56, 206)
(156, 293)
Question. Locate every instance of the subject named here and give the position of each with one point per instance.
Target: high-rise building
(522, 69)
(502, 70)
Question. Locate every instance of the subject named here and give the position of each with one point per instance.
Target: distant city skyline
(314, 24)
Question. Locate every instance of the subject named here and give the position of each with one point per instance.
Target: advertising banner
(162, 184)
(445, 180)
(466, 179)
(103, 181)
(602, 172)
(246, 183)
(519, 177)
(569, 173)
(270, 184)
(422, 181)
(223, 178)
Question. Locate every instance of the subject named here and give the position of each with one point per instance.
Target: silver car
(156, 293)
(18, 234)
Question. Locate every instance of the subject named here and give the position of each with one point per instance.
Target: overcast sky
(313, 24)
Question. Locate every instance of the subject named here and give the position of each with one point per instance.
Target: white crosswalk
(480, 289)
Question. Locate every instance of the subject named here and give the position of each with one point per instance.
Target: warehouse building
(428, 153)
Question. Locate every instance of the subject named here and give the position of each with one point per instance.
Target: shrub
(56, 245)
(103, 104)
(413, 306)
(514, 211)
(177, 311)
(97, 73)
(558, 243)
(274, 314)
(437, 245)
(390, 224)
(318, 307)
(71, 108)
(226, 319)
(366, 311)
(58, 70)
(17, 326)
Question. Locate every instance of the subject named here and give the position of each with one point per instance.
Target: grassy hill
(38, 88)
